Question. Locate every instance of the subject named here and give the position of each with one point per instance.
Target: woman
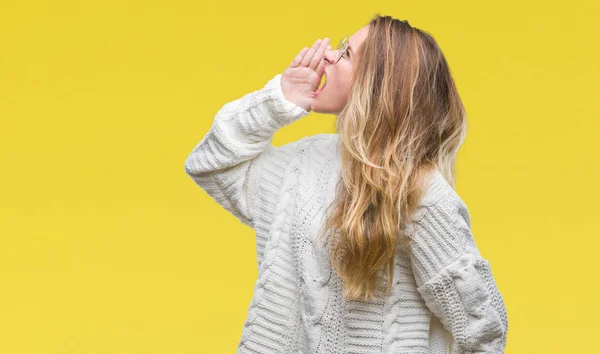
(400, 271)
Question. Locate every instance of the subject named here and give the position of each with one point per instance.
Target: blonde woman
(363, 245)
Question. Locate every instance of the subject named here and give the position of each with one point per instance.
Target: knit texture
(444, 297)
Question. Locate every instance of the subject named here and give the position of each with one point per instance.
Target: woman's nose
(329, 55)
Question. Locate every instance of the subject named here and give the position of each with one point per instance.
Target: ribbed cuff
(465, 298)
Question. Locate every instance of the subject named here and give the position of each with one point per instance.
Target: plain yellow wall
(107, 246)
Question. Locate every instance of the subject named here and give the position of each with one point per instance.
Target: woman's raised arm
(239, 142)
(229, 160)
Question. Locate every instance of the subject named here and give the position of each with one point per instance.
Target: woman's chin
(316, 105)
(319, 107)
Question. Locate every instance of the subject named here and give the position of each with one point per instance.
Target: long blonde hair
(403, 118)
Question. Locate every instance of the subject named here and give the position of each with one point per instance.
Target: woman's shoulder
(314, 142)
(321, 146)
(322, 140)
(438, 193)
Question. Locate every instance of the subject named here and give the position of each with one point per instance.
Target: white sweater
(444, 300)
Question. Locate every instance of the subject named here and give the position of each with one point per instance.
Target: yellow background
(107, 246)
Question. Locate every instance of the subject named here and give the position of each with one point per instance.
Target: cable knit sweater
(444, 299)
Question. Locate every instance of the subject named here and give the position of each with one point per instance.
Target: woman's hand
(302, 78)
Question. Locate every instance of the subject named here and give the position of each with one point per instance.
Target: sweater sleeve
(456, 282)
(230, 159)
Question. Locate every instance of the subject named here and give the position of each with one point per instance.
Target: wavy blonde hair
(403, 118)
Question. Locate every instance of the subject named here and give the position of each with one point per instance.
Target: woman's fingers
(308, 57)
(316, 59)
(312, 57)
(298, 59)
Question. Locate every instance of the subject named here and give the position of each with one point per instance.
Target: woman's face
(338, 76)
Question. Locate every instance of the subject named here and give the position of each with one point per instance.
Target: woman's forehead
(357, 38)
